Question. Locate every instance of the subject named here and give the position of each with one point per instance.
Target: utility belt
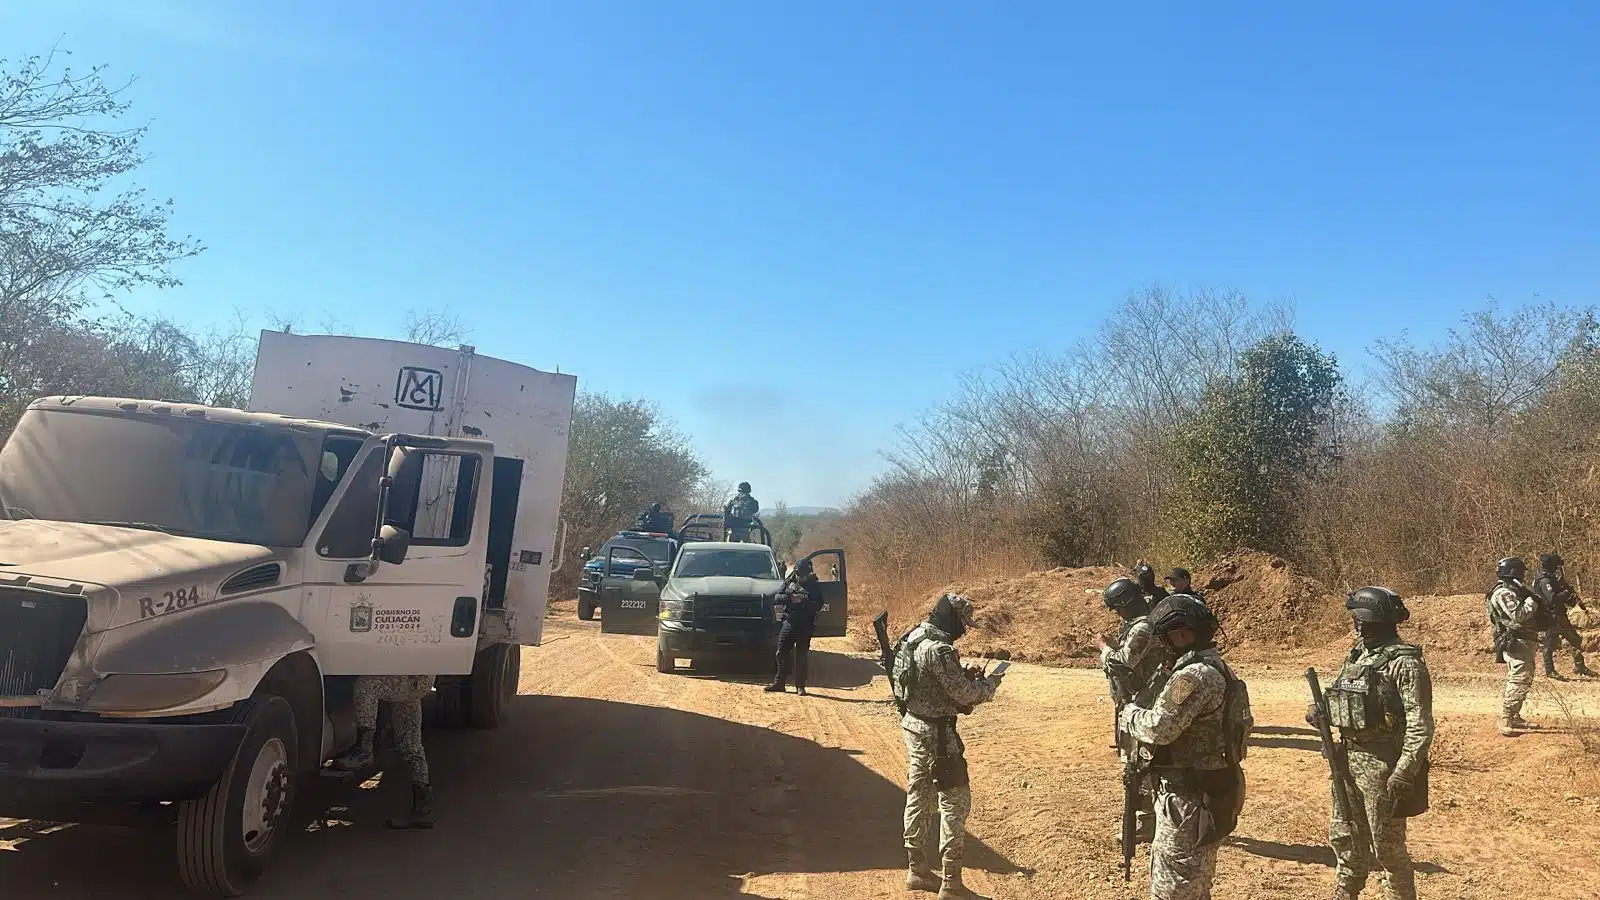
(949, 769)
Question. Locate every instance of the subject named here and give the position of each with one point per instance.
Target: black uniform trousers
(794, 651)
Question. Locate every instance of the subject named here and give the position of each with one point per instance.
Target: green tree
(1243, 459)
(622, 455)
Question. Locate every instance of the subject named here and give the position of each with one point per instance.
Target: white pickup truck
(187, 593)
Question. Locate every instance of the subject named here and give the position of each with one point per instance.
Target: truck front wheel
(226, 837)
(585, 608)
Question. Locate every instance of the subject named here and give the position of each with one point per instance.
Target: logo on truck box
(419, 388)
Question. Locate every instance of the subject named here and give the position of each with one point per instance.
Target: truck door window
(348, 534)
(440, 514)
(338, 452)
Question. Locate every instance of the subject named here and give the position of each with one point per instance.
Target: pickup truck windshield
(185, 476)
(734, 563)
(656, 551)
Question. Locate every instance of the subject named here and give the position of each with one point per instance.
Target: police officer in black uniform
(802, 600)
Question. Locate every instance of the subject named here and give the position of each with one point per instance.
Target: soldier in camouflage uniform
(1382, 704)
(1197, 728)
(1558, 597)
(1132, 663)
(404, 694)
(739, 515)
(1515, 613)
(930, 680)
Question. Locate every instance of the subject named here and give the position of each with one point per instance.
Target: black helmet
(744, 487)
(1511, 567)
(1144, 574)
(1123, 593)
(1181, 611)
(1377, 604)
(803, 566)
(1549, 562)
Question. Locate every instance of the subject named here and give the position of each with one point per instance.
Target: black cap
(1179, 573)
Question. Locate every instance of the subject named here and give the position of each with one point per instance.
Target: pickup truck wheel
(585, 608)
(226, 837)
(495, 672)
(665, 664)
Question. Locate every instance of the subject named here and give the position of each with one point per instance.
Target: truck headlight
(151, 693)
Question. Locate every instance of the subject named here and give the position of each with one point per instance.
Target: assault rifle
(880, 628)
(1338, 763)
(1123, 688)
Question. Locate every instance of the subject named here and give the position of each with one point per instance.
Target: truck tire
(227, 837)
(495, 672)
(665, 664)
(449, 705)
(585, 608)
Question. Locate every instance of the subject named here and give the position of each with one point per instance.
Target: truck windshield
(655, 551)
(735, 563)
(186, 476)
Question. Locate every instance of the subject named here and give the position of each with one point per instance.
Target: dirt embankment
(1272, 614)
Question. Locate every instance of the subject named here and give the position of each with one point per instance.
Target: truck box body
(393, 386)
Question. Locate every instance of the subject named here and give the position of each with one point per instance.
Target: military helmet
(1377, 604)
(1549, 562)
(1143, 573)
(803, 565)
(1511, 567)
(1181, 611)
(744, 487)
(1122, 593)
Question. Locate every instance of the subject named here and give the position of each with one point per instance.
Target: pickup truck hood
(131, 563)
(727, 586)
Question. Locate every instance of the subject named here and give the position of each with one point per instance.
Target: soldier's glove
(1311, 714)
(1399, 786)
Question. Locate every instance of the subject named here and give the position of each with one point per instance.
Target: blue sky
(798, 223)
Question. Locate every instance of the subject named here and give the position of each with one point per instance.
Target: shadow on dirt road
(573, 798)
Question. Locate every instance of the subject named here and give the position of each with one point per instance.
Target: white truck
(187, 593)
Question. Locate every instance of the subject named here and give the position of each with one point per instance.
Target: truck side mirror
(585, 555)
(393, 543)
(405, 481)
(644, 573)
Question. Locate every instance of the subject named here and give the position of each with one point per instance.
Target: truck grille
(731, 608)
(37, 634)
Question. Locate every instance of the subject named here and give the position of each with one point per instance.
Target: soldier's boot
(952, 888)
(777, 686)
(421, 813)
(1514, 720)
(1551, 673)
(358, 757)
(1521, 724)
(919, 875)
(1506, 728)
(1580, 669)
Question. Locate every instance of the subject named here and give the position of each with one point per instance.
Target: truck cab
(187, 594)
(608, 576)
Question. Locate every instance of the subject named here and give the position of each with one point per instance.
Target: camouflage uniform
(404, 694)
(1382, 703)
(1516, 613)
(738, 517)
(939, 690)
(1188, 727)
(1138, 650)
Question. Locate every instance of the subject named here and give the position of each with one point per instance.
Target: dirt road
(612, 780)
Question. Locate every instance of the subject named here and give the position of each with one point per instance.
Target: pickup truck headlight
(677, 610)
(151, 693)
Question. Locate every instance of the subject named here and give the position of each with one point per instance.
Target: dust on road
(612, 780)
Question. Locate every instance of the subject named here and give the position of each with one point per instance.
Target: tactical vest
(1500, 624)
(744, 507)
(1363, 698)
(1216, 738)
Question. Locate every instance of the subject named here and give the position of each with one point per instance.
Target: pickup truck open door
(835, 615)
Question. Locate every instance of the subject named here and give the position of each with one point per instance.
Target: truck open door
(835, 615)
(630, 594)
